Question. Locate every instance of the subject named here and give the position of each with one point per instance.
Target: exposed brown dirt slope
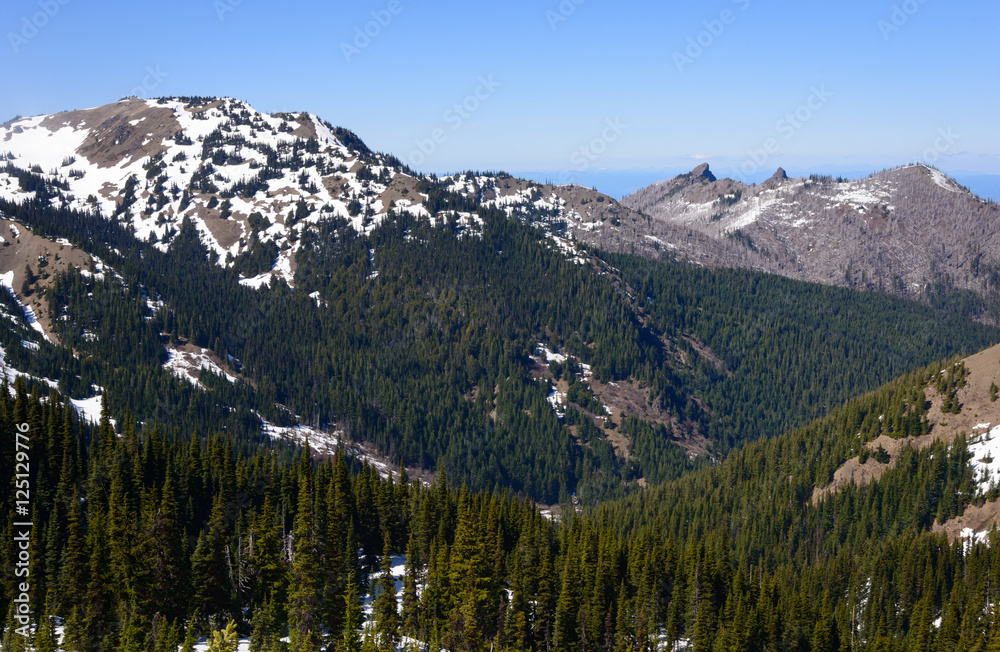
(126, 130)
(46, 259)
(977, 408)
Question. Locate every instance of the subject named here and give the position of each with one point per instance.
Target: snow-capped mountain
(897, 230)
(252, 182)
(239, 174)
(254, 187)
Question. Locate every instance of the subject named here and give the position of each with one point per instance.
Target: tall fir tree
(304, 606)
(385, 609)
(350, 640)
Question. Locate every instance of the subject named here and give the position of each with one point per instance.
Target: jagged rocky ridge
(903, 230)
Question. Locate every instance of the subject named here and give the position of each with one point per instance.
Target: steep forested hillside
(254, 270)
(791, 351)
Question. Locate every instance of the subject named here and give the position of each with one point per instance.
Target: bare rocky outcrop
(21, 249)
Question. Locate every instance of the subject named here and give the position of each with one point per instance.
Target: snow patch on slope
(398, 570)
(758, 205)
(12, 374)
(985, 451)
(324, 441)
(940, 179)
(863, 193)
(89, 409)
(7, 280)
(188, 365)
(321, 441)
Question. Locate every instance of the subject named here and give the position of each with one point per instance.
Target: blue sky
(577, 85)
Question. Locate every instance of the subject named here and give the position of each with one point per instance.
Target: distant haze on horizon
(621, 182)
(568, 85)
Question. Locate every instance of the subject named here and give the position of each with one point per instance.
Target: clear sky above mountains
(576, 85)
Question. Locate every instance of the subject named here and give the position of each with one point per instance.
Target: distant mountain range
(901, 230)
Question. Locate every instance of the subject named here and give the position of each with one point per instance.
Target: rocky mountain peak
(703, 173)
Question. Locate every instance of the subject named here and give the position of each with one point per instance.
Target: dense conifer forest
(264, 389)
(148, 539)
